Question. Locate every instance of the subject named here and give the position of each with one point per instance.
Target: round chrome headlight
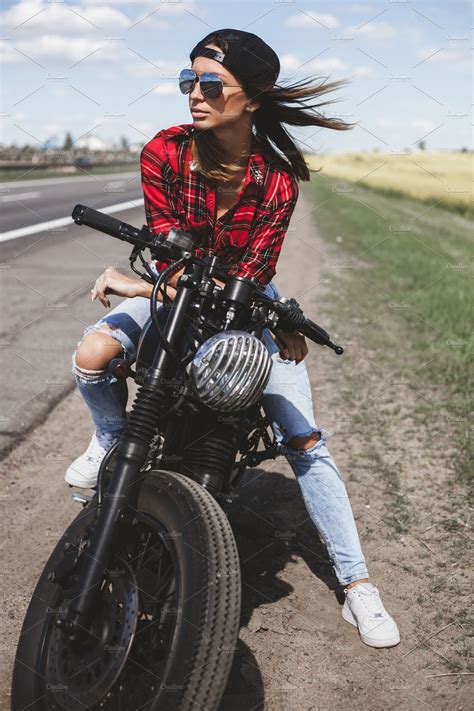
(230, 370)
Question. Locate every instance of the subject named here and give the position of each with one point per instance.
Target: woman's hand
(292, 345)
(114, 282)
(173, 281)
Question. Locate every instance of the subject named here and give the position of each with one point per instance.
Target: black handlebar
(318, 335)
(293, 319)
(173, 244)
(83, 215)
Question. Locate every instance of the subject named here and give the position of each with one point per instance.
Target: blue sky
(110, 68)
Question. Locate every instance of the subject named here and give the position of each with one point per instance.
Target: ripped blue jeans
(288, 405)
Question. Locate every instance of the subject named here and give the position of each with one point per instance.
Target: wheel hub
(80, 673)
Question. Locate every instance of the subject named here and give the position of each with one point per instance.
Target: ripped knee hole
(304, 442)
(93, 373)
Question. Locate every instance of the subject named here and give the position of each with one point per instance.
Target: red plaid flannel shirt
(250, 235)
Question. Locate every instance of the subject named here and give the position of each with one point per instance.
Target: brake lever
(293, 319)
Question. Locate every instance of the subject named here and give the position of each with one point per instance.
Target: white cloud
(61, 49)
(108, 75)
(175, 9)
(357, 7)
(167, 89)
(456, 54)
(423, 124)
(35, 15)
(387, 123)
(61, 91)
(361, 71)
(154, 14)
(326, 66)
(67, 32)
(165, 7)
(55, 127)
(159, 68)
(291, 64)
(146, 127)
(341, 69)
(312, 19)
(374, 31)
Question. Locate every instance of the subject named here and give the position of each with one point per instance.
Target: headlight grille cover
(230, 370)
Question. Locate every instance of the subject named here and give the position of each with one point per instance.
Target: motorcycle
(138, 606)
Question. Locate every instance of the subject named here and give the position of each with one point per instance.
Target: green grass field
(416, 270)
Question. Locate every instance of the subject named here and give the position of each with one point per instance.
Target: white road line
(51, 224)
(19, 196)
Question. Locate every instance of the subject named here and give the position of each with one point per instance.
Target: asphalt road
(45, 282)
(31, 202)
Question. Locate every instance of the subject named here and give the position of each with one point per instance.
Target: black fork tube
(151, 401)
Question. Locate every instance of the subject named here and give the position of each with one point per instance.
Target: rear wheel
(166, 623)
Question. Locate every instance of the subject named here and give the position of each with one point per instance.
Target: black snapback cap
(248, 56)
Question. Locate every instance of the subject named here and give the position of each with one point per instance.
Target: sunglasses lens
(186, 86)
(186, 81)
(211, 85)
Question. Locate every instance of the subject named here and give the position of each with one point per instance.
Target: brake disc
(79, 674)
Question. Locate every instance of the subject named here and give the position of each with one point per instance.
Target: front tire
(183, 647)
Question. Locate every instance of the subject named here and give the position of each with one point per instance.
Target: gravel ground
(295, 651)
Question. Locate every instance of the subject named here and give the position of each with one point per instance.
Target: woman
(227, 185)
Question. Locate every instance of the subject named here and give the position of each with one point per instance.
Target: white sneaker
(363, 608)
(84, 470)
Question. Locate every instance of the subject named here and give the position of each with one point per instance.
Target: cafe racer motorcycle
(138, 606)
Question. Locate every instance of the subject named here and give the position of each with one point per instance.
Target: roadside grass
(7, 176)
(411, 265)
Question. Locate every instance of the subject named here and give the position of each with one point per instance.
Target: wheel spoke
(95, 674)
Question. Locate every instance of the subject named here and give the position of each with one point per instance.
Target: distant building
(91, 143)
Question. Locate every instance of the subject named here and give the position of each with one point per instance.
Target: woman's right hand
(111, 281)
(293, 345)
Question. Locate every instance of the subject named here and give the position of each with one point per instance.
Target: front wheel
(165, 626)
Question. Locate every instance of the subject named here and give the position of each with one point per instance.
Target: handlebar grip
(314, 330)
(318, 335)
(293, 319)
(83, 215)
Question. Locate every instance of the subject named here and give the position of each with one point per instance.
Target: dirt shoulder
(295, 651)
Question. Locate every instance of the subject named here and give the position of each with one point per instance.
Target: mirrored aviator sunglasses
(210, 83)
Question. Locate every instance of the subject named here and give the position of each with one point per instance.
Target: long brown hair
(268, 127)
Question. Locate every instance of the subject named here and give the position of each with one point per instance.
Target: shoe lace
(370, 597)
(373, 603)
(97, 449)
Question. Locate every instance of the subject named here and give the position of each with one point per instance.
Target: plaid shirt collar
(255, 166)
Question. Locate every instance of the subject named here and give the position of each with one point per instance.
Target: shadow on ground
(271, 526)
